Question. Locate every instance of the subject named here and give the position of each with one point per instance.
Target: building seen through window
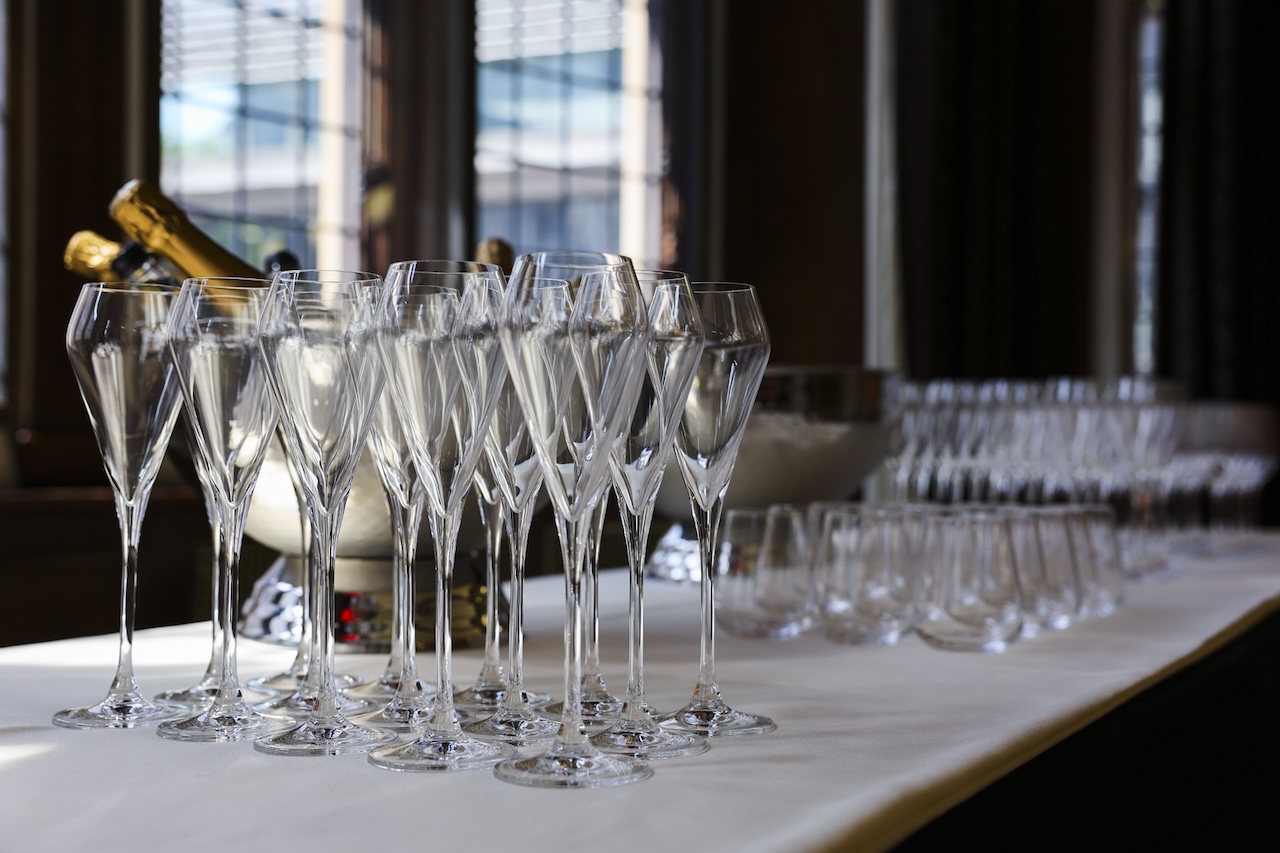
(260, 124)
(260, 127)
(567, 118)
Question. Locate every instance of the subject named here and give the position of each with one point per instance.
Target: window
(258, 103)
(567, 149)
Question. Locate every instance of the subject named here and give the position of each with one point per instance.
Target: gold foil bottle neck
(495, 250)
(146, 214)
(89, 255)
(155, 221)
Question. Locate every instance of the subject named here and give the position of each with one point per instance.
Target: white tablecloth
(871, 742)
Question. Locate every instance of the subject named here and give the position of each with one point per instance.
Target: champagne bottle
(94, 257)
(89, 255)
(156, 222)
(495, 250)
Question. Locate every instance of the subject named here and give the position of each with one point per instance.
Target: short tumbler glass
(765, 578)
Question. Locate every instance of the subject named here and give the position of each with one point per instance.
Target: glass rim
(327, 275)
(231, 286)
(574, 259)
(441, 266)
(720, 287)
(154, 287)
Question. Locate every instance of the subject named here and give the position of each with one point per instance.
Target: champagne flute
(317, 339)
(298, 686)
(213, 339)
(638, 463)
(576, 363)
(514, 465)
(707, 442)
(119, 350)
(438, 340)
(599, 706)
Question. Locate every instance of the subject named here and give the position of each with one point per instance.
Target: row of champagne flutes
(968, 576)
(1057, 440)
(1061, 440)
(1133, 442)
(576, 375)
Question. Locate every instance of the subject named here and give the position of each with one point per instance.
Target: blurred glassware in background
(967, 595)
(1178, 474)
(764, 573)
(815, 433)
(865, 560)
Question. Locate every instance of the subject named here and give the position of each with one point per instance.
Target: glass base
(441, 751)
(600, 708)
(405, 716)
(649, 741)
(299, 705)
(486, 693)
(573, 766)
(196, 696)
(290, 682)
(332, 736)
(373, 692)
(478, 703)
(518, 728)
(219, 725)
(127, 711)
(716, 719)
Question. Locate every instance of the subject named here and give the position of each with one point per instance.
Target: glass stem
(228, 582)
(635, 527)
(324, 533)
(302, 660)
(574, 538)
(706, 523)
(491, 517)
(444, 530)
(407, 550)
(213, 672)
(591, 598)
(130, 515)
(518, 534)
(399, 537)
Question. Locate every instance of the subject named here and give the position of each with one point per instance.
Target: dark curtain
(1220, 224)
(994, 124)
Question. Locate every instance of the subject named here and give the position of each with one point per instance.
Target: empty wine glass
(518, 476)
(707, 442)
(599, 706)
(297, 686)
(213, 338)
(317, 339)
(438, 340)
(576, 362)
(638, 463)
(119, 350)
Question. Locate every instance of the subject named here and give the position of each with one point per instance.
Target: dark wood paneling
(772, 102)
(62, 561)
(71, 144)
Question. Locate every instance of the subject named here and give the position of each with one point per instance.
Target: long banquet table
(872, 743)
